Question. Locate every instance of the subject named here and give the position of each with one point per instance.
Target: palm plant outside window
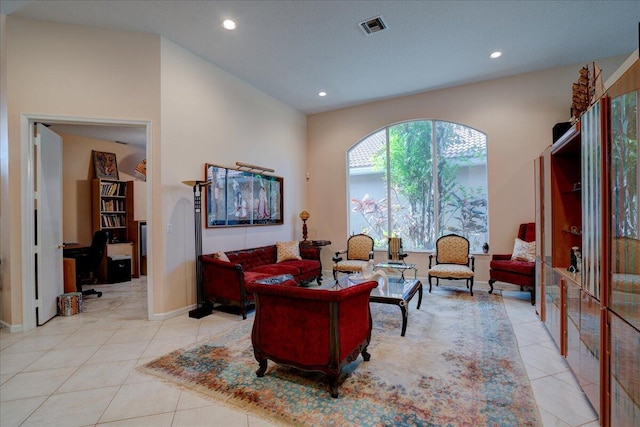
(419, 180)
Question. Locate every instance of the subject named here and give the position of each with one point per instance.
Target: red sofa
(523, 273)
(224, 282)
(311, 329)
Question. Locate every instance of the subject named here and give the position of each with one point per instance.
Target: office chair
(88, 261)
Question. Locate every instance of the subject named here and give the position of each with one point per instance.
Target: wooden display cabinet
(553, 287)
(588, 186)
(566, 196)
(621, 290)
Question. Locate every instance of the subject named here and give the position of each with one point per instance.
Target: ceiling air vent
(373, 25)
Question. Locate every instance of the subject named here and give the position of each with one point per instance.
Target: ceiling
(291, 50)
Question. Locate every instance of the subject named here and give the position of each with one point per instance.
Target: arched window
(419, 180)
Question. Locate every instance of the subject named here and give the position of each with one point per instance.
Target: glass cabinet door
(591, 199)
(624, 279)
(624, 291)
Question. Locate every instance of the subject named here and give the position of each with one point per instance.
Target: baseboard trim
(12, 328)
(172, 314)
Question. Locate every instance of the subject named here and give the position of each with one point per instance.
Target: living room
(197, 113)
(142, 76)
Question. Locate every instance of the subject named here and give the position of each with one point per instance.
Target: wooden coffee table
(398, 292)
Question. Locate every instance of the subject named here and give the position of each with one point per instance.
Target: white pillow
(221, 256)
(524, 251)
(288, 250)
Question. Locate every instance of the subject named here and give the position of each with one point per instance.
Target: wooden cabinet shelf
(575, 233)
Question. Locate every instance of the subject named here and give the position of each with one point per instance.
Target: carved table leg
(365, 354)
(405, 315)
(491, 282)
(263, 368)
(333, 386)
(419, 296)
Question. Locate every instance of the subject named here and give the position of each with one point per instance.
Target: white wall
(516, 113)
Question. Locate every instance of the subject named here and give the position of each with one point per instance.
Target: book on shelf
(113, 189)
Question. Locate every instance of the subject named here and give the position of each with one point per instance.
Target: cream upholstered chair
(452, 261)
(358, 253)
(396, 253)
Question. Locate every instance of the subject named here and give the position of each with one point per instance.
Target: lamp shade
(304, 215)
(194, 183)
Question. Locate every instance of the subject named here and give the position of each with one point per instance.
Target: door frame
(27, 227)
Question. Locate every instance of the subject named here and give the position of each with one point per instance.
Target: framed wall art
(105, 165)
(241, 198)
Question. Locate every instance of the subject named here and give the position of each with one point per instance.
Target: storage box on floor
(118, 268)
(70, 304)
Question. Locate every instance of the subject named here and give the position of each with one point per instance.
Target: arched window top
(419, 180)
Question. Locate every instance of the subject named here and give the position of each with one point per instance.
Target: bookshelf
(112, 210)
(112, 204)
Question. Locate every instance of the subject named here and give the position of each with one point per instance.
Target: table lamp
(304, 216)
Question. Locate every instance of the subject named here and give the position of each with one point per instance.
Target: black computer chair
(88, 261)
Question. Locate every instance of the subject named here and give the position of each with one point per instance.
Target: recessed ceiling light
(323, 93)
(495, 55)
(229, 24)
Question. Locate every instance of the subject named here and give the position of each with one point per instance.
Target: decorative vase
(485, 248)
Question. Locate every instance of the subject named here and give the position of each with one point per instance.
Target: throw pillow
(221, 256)
(288, 250)
(524, 251)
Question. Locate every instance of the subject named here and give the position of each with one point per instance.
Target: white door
(48, 236)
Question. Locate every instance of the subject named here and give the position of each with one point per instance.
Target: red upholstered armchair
(522, 273)
(311, 329)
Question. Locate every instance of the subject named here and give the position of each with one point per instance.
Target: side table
(319, 244)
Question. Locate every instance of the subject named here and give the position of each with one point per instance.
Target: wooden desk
(69, 271)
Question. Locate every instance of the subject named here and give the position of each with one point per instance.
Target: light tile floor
(81, 370)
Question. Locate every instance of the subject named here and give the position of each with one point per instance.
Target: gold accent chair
(358, 253)
(452, 261)
(396, 253)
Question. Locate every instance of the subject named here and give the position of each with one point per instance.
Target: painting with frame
(216, 207)
(105, 165)
(241, 198)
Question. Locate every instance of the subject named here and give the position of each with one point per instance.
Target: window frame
(386, 130)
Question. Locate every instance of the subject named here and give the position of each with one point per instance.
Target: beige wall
(203, 114)
(67, 70)
(209, 116)
(5, 296)
(77, 175)
(516, 113)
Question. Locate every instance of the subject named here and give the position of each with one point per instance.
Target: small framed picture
(105, 165)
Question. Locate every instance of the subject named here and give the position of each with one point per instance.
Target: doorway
(28, 179)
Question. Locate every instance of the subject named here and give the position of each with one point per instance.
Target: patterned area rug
(458, 365)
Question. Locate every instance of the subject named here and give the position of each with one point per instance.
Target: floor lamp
(204, 307)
